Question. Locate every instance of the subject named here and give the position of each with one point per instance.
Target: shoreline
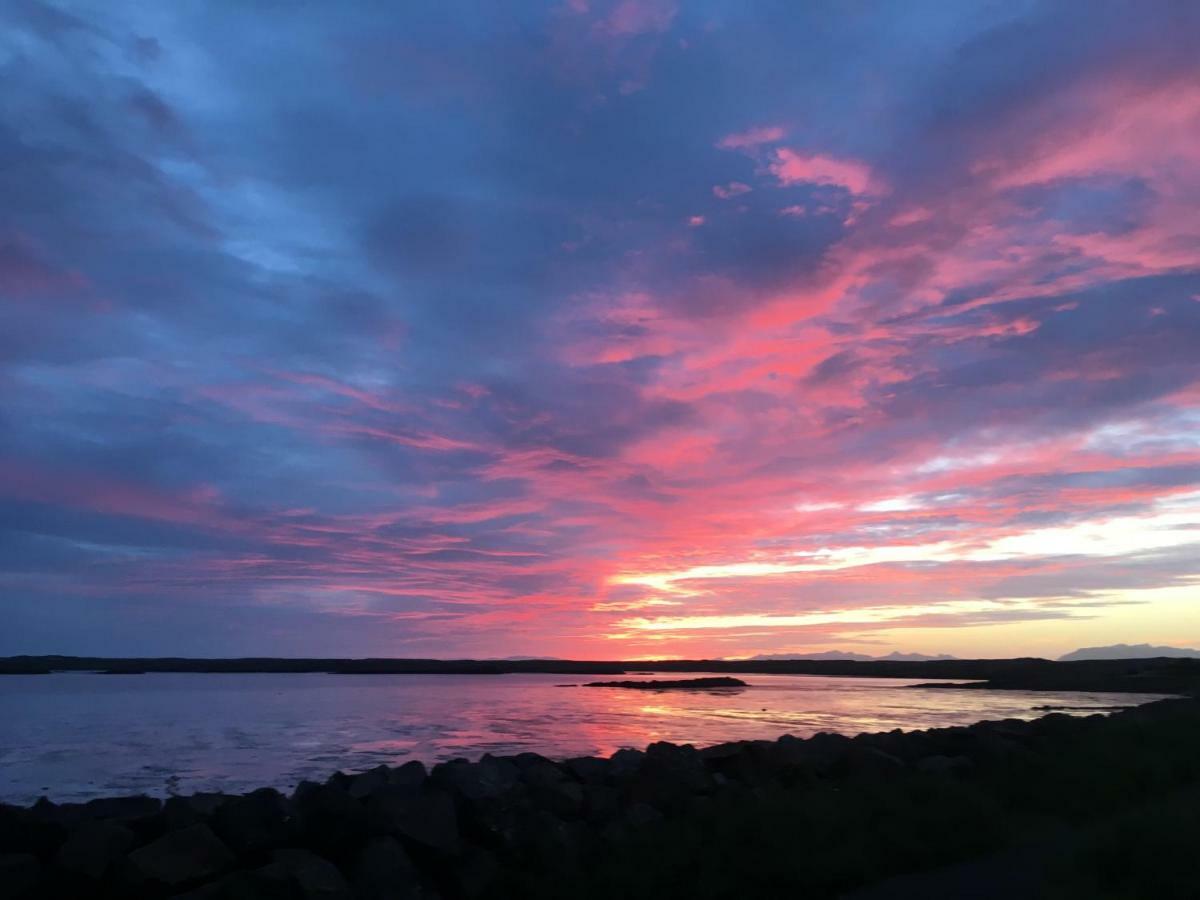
(1158, 675)
(517, 825)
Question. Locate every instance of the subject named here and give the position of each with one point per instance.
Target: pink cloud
(791, 167)
(754, 137)
(733, 189)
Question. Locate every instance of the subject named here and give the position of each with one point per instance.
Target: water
(73, 736)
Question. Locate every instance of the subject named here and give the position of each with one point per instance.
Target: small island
(684, 684)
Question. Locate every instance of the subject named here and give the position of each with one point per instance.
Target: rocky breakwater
(522, 825)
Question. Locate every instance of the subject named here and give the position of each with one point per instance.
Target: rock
(488, 779)
(588, 769)
(872, 763)
(641, 815)
(93, 847)
(328, 819)
(600, 803)
(425, 818)
(940, 765)
(362, 784)
(475, 872)
(311, 876)
(180, 812)
(827, 751)
(241, 886)
(624, 764)
(19, 875)
(23, 832)
(384, 871)
(191, 854)
(410, 775)
(253, 823)
(122, 809)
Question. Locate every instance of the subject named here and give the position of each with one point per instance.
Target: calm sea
(75, 736)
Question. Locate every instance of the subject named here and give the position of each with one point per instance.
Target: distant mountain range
(844, 656)
(1128, 651)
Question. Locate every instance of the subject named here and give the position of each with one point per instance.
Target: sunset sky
(598, 329)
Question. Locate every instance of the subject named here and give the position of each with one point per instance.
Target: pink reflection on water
(75, 736)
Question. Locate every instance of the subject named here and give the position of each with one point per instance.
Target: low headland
(685, 684)
(1061, 806)
(1160, 675)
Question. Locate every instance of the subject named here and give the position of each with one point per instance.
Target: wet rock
(253, 823)
(384, 871)
(93, 847)
(191, 854)
(425, 818)
(19, 875)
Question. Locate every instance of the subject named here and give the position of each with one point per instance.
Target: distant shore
(1160, 675)
(1024, 805)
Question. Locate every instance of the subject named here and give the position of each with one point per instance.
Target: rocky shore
(820, 816)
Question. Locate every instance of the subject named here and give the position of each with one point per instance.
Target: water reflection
(74, 736)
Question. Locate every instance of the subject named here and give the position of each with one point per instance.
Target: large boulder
(310, 876)
(424, 818)
(180, 857)
(19, 875)
(361, 785)
(93, 848)
(180, 812)
(254, 823)
(122, 809)
(328, 819)
(410, 775)
(489, 779)
(383, 870)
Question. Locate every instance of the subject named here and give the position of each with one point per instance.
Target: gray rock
(93, 847)
(191, 854)
(328, 819)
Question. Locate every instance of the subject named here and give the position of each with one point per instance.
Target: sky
(598, 328)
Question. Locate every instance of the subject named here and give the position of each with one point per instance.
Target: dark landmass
(1156, 676)
(1063, 807)
(687, 684)
(859, 657)
(1128, 651)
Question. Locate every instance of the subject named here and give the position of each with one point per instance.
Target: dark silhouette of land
(1165, 675)
(686, 684)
